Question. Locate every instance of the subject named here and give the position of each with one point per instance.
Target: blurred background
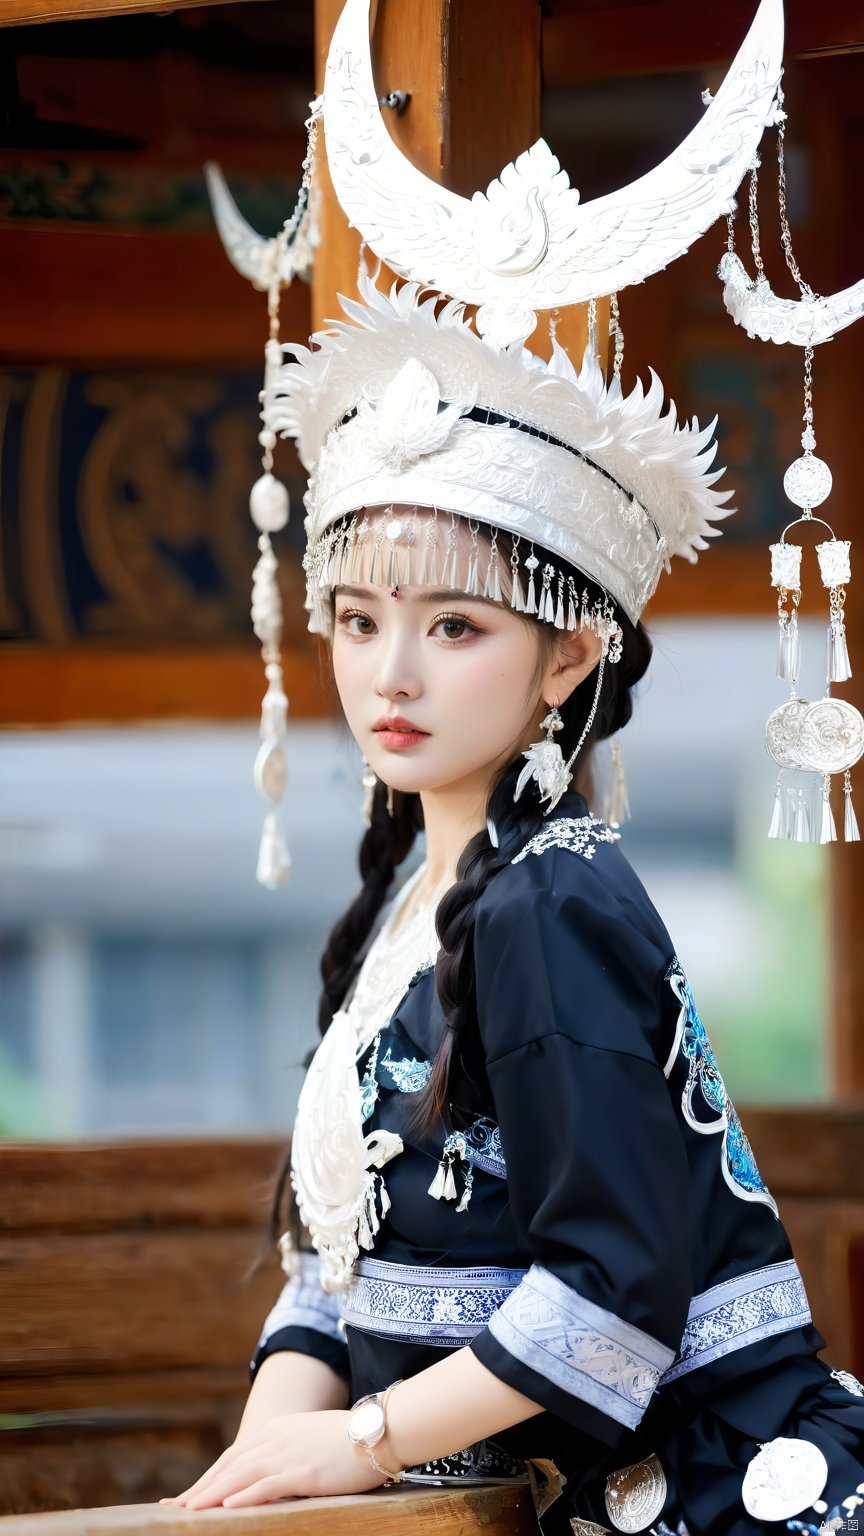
(156, 1004)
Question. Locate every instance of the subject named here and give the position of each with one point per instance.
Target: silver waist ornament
(784, 1478)
(635, 1495)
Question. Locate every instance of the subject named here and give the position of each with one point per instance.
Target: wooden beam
(81, 685)
(93, 297)
(19, 13)
(596, 40)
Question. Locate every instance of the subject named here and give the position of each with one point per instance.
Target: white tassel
(850, 821)
(780, 669)
(827, 830)
(517, 601)
(436, 1188)
(451, 569)
(449, 1183)
(274, 860)
(619, 808)
(776, 828)
(531, 601)
(801, 833)
(839, 668)
(472, 586)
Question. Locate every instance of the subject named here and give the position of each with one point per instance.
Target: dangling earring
(390, 793)
(545, 763)
(368, 782)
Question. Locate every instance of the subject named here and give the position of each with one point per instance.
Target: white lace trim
(578, 834)
(340, 1195)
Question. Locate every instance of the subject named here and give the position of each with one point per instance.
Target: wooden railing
(128, 1312)
(391, 1512)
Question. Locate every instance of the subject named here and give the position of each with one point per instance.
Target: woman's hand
(296, 1455)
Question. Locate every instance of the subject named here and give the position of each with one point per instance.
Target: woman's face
(439, 689)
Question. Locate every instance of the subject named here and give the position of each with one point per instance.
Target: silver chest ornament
(784, 1477)
(635, 1495)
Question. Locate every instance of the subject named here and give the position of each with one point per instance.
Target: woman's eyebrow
(420, 595)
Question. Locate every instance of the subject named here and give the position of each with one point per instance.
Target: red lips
(399, 724)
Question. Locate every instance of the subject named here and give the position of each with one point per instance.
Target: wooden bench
(128, 1313)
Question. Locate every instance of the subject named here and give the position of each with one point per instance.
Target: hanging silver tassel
(472, 586)
(850, 821)
(619, 807)
(790, 655)
(517, 601)
(531, 600)
(393, 569)
(801, 833)
(839, 668)
(777, 828)
(827, 830)
(451, 568)
(492, 584)
(466, 1193)
(782, 648)
(368, 783)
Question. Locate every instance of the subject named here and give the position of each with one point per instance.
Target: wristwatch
(366, 1422)
(367, 1425)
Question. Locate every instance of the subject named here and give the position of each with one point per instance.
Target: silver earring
(368, 783)
(545, 763)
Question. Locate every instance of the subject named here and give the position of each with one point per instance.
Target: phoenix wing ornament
(528, 242)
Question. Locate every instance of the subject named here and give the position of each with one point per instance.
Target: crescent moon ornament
(528, 242)
(260, 260)
(754, 306)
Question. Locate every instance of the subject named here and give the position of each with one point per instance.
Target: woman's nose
(397, 675)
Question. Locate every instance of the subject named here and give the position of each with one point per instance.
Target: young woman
(529, 1229)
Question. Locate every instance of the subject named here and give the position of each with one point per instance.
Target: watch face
(367, 1422)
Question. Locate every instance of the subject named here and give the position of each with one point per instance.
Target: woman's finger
(233, 1480)
(263, 1492)
(230, 1460)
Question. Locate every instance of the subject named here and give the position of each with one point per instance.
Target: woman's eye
(356, 623)
(453, 626)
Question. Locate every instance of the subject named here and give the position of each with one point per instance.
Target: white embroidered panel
(578, 834)
(427, 1305)
(753, 1306)
(303, 1303)
(580, 1347)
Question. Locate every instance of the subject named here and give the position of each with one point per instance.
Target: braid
(387, 842)
(454, 1091)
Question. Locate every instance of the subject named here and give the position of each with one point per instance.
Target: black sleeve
(306, 1319)
(568, 1005)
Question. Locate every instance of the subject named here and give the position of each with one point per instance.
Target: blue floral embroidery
(409, 1074)
(703, 1075)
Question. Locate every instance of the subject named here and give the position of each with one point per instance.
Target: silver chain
(785, 232)
(616, 331)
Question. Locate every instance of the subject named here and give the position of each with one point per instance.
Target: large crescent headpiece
(528, 243)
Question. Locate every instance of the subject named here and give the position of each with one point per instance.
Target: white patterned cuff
(303, 1303)
(580, 1347)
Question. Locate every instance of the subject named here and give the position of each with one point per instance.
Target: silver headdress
(403, 404)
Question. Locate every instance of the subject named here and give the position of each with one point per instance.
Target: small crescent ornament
(754, 306)
(528, 242)
(785, 1477)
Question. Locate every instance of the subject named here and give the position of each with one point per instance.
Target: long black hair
(457, 1067)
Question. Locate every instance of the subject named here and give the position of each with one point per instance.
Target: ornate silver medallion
(588, 1528)
(784, 1477)
(635, 1495)
(807, 482)
(825, 737)
(850, 1382)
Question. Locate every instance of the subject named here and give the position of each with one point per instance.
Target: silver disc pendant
(824, 737)
(808, 481)
(783, 1478)
(635, 1495)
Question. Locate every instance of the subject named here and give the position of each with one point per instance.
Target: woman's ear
(575, 655)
